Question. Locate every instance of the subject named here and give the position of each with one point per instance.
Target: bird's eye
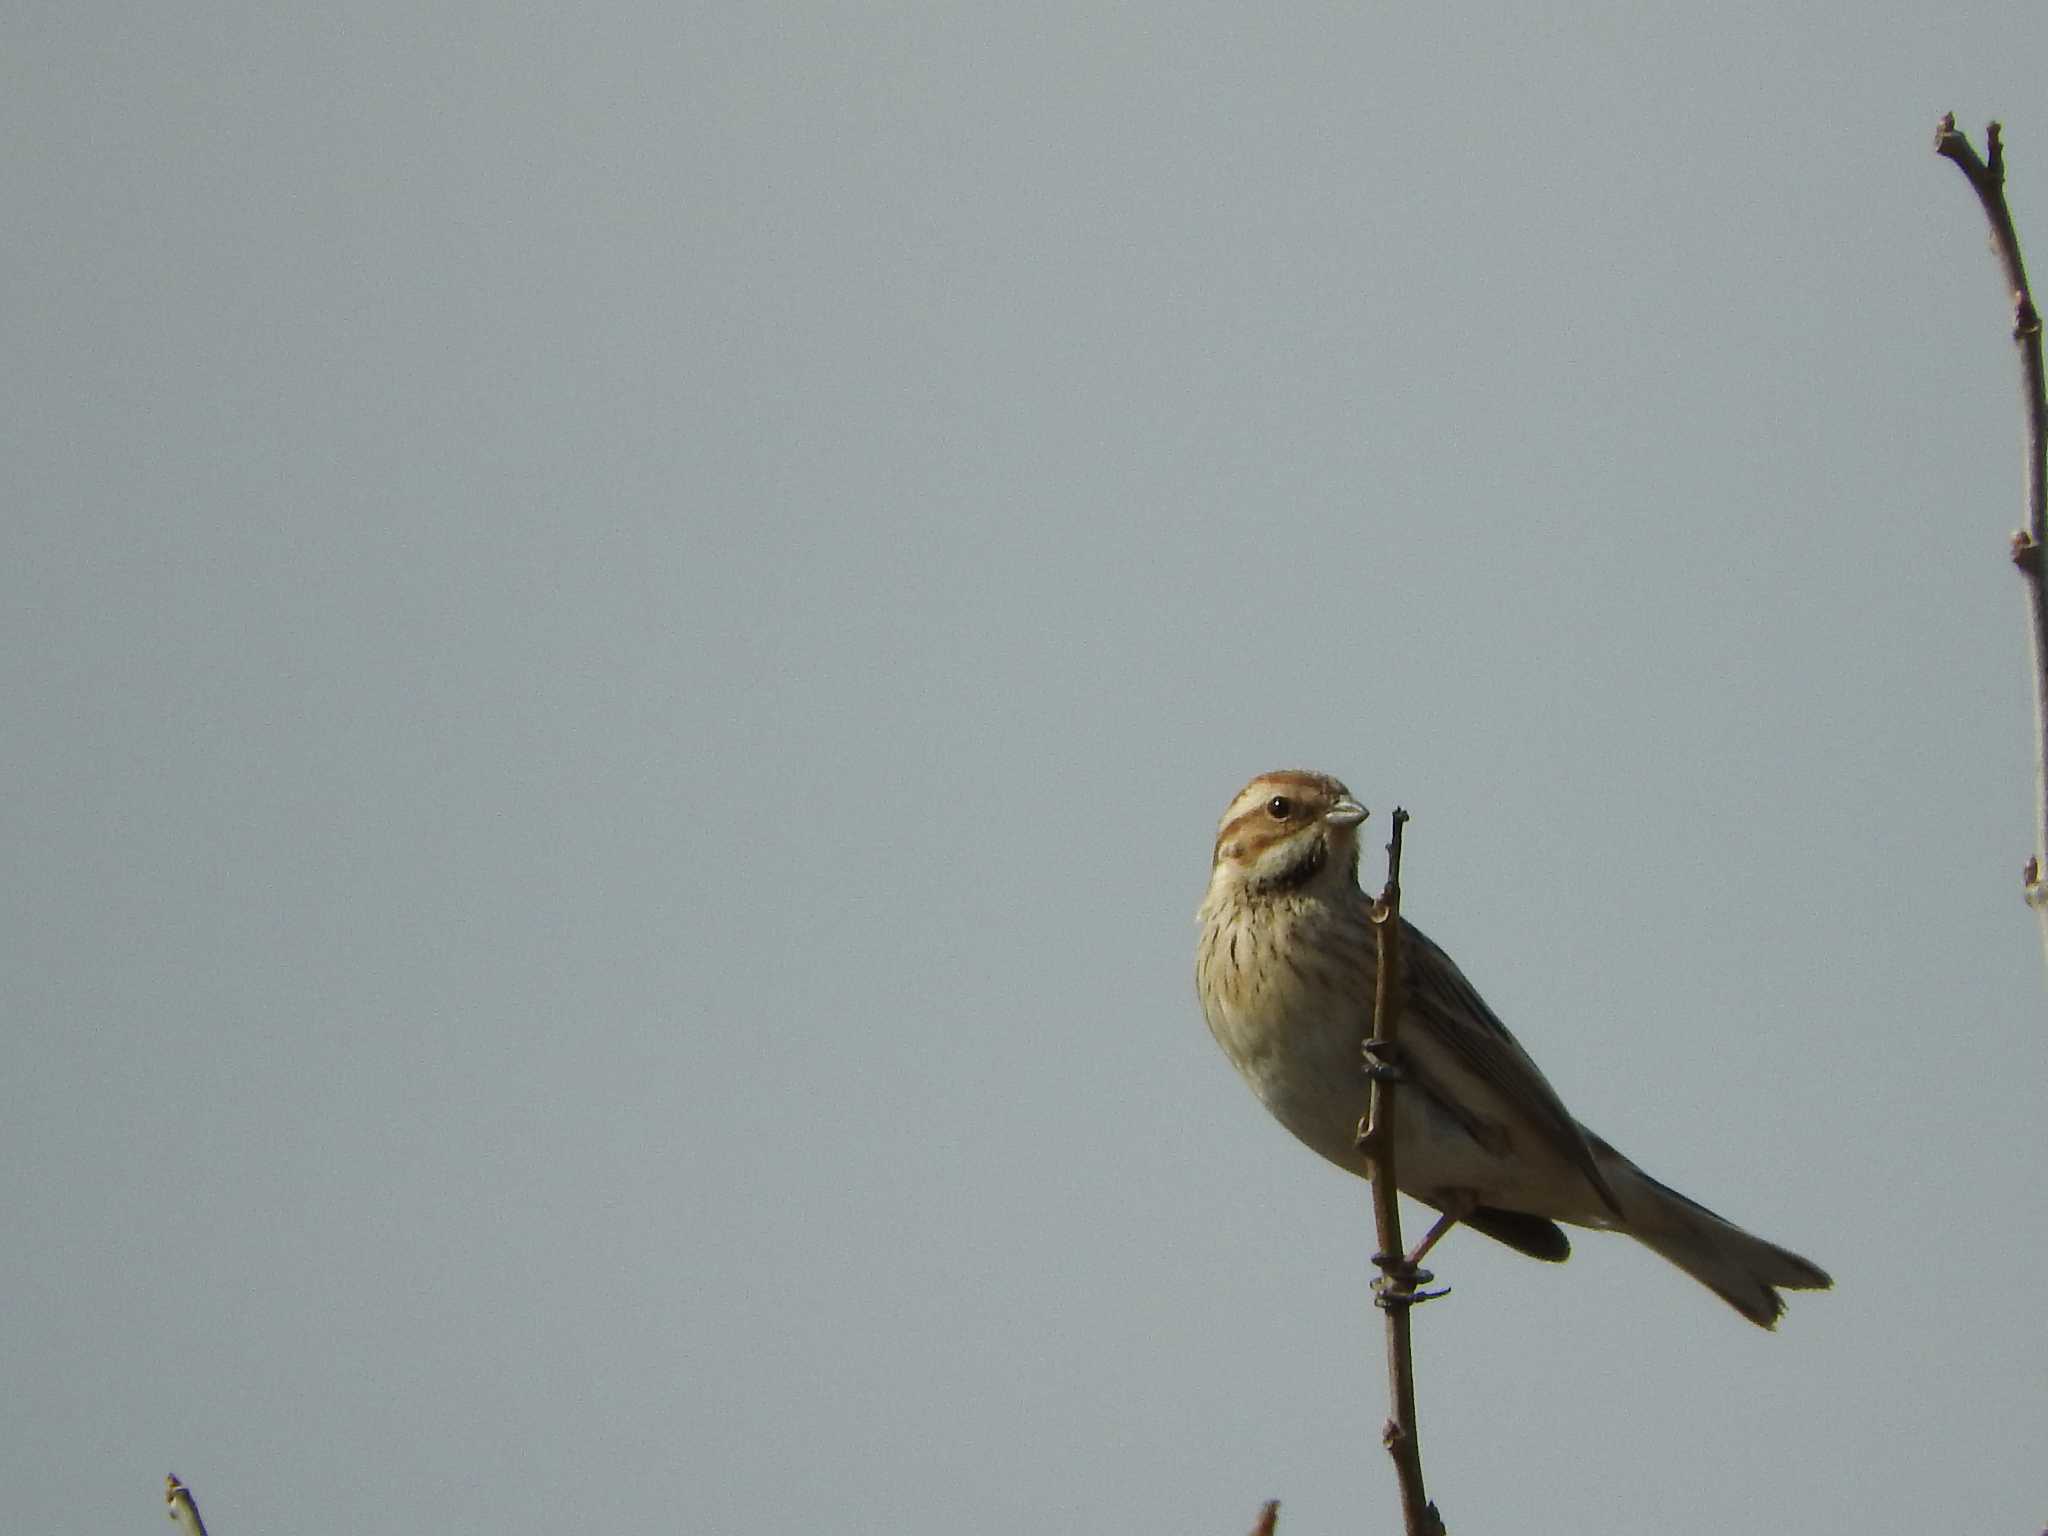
(1279, 807)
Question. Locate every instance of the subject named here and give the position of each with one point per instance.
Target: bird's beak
(1347, 812)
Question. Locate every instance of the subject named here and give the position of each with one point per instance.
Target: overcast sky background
(627, 629)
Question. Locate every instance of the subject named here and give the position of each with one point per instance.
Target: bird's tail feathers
(1738, 1266)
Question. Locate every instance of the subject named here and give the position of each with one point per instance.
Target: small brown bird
(1285, 972)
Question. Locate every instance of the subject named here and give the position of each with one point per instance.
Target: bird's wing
(1438, 990)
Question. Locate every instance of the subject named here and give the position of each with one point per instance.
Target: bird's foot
(1392, 1295)
(1400, 1269)
(1402, 1282)
(1383, 1061)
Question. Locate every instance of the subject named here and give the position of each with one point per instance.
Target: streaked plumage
(1285, 970)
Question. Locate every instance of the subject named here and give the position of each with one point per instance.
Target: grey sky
(628, 630)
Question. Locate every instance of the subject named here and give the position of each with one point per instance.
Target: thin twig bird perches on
(1401, 1278)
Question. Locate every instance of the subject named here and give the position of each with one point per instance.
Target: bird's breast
(1291, 1009)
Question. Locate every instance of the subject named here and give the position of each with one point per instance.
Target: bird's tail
(1737, 1266)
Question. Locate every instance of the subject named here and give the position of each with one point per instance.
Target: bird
(1285, 970)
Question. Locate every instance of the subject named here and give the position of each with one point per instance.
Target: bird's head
(1285, 831)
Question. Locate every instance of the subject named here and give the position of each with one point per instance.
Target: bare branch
(1399, 1287)
(1987, 179)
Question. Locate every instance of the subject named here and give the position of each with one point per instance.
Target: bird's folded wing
(1438, 991)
